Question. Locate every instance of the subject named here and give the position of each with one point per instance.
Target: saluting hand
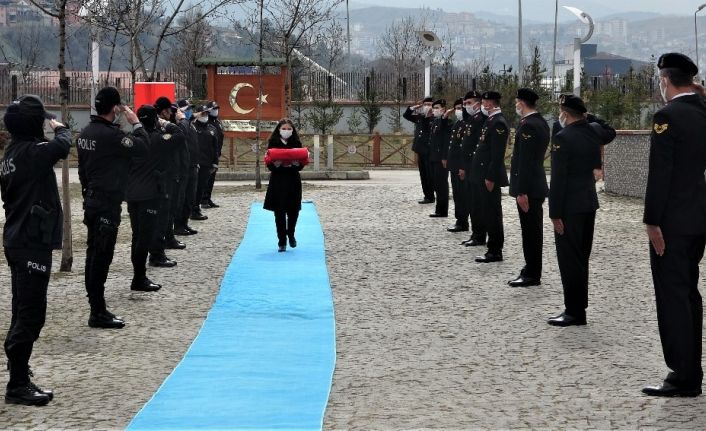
(490, 185)
(444, 163)
(53, 124)
(598, 174)
(523, 203)
(558, 226)
(179, 115)
(130, 116)
(656, 239)
(461, 174)
(699, 89)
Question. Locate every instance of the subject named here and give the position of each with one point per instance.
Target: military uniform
(206, 201)
(438, 149)
(33, 228)
(456, 162)
(191, 176)
(420, 146)
(207, 136)
(474, 127)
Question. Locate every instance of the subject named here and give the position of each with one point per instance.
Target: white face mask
(518, 110)
(425, 109)
(437, 113)
(562, 120)
(471, 109)
(202, 118)
(484, 111)
(213, 113)
(118, 117)
(459, 114)
(663, 91)
(285, 133)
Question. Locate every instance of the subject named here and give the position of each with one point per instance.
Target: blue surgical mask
(188, 114)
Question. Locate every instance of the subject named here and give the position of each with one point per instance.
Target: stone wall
(625, 163)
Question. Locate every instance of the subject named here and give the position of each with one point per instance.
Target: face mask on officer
(562, 120)
(426, 109)
(437, 112)
(471, 108)
(663, 89)
(484, 110)
(459, 114)
(188, 113)
(118, 114)
(202, 118)
(518, 109)
(285, 133)
(213, 113)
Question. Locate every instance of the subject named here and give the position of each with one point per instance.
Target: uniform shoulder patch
(661, 128)
(167, 136)
(126, 142)
(500, 130)
(526, 136)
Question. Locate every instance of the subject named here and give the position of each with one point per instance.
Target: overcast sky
(544, 9)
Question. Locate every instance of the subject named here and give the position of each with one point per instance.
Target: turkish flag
(237, 97)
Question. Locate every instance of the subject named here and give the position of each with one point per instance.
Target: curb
(306, 175)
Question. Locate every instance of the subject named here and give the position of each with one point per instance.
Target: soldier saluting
(474, 126)
(420, 115)
(456, 163)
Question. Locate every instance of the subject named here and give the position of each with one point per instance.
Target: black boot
(105, 319)
(27, 394)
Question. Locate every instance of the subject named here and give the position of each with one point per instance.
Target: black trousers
(441, 187)
(190, 184)
(531, 223)
(286, 223)
(159, 239)
(30, 270)
(679, 308)
(176, 203)
(492, 215)
(474, 192)
(102, 223)
(209, 188)
(425, 175)
(461, 200)
(144, 219)
(201, 186)
(573, 250)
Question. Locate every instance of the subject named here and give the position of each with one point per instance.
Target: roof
(608, 56)
(240, 61)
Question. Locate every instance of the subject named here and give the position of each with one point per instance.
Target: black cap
(212, 105)
(427, 100)
(163, 103)
(201, 108)
(31, 105)
(184, 103)
(106, 98)
(147, 115)
(573, 102)
(491, 95)
(458, 101)
(441, 102)
(675, 60)
(528, 95)
(475, 94)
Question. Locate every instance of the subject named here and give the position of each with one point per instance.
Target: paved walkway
(426, 338)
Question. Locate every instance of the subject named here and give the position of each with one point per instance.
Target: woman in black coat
(284, 191)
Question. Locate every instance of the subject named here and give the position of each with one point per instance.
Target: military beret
(675, 60)
(201, 108)
(573, 102)
(427, 100)
(475, 94)
(184, 104)
(527, 95)
(491, 95)
(147, 115)
(458, 101)
(163, 103)
(441, 102)
(107, 97)
(212, 105)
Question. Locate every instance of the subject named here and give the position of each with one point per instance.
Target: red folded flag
(287, 155)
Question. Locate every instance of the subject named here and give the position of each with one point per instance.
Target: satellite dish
(428, 38)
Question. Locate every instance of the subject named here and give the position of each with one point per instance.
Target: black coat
(527, 175)
(489, 158)
(455, 156)
(439, 136)
(148, 172)
(675, 199)
(422, 125)
(33, 215)
(576, 152)
(284, 191)
(207, 138)
(220, 134)
(474, 126)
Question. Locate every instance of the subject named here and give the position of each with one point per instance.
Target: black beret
(107, 97)
(147, 115)
(163, 103)
(458, 101)
(32, 106)
(184, 103)
(212, 105)
(201, 108)
(491, 95)
(527, 95)
(675, 60)
(573, 102)
(475, 94)
(427, 100)
(441, 102)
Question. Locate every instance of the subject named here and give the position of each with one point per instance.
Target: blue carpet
(265, 356)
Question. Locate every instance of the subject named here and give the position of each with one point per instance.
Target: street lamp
(556, 25)
(520, 69)
(586, 19)
(696, 35)
(430, 40)
(91, 10)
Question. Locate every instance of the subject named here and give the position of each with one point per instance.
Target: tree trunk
(67, 254)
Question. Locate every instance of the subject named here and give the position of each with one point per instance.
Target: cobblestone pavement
(426, 338)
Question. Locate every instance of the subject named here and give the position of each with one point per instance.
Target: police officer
(145, 190)
(179, 166)
(33, 228)
(675, 215)
(489, 174)
(455, 163)
(181, 221)
(576, 152)
(207, 201)
(474, 125)
(528, 183)
(208, 156)
(104, 156)
(438, 147)
(420, 115)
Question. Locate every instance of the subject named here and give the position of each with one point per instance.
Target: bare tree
(24, 50)
(400, 46)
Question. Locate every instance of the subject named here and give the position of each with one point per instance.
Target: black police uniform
(675, 201)
(104, 155)
(177, 183)
(33, 228)
(573, 199)
(208, 160)
(527, 177)
(420, 145)
(456, 162)
(192, 175)
(474, 127)
(438, 148)
(489, 164)
(220, 135)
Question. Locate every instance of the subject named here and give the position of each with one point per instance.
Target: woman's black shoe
(282, 248)
(292, 241)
